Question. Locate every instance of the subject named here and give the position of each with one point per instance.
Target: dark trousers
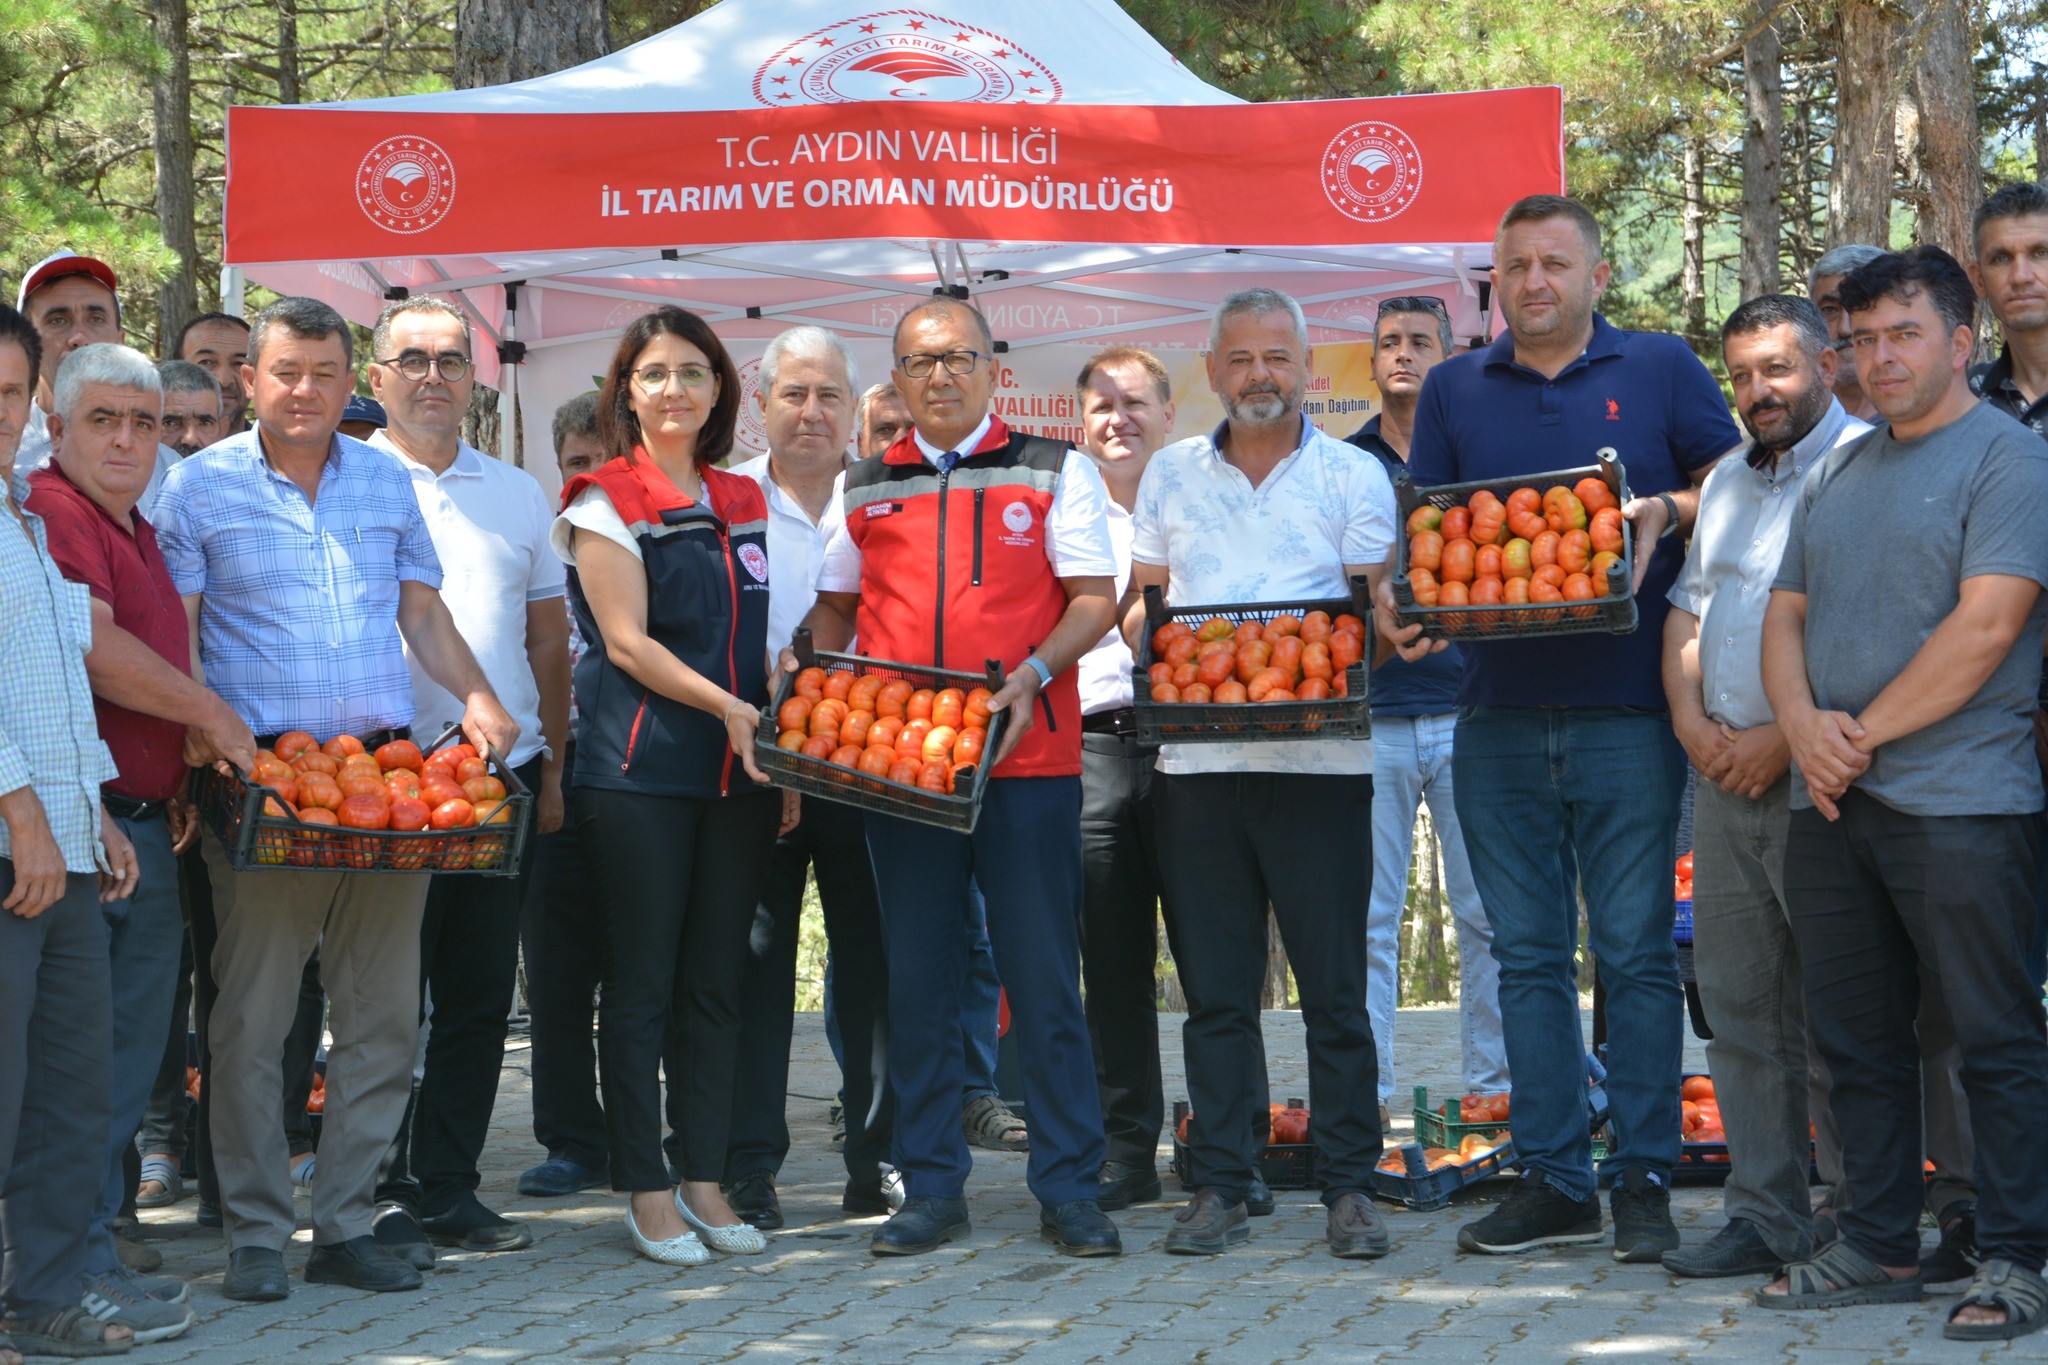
(831, 838)
(1025, 854)
(562, 931)
(163, 1123)
(1231, 844)
(469, 968)
(1873, 897)
(1120, 942)
(56, 1091)
(680, 878)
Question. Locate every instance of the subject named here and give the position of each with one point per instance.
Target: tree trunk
(1762, 134)
(171, 92)
(1944, 86)
(287, 51)
(1692, 276)
(510, 40)
(1867, 81)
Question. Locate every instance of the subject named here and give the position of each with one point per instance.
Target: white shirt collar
(934, 454)
(468, 460)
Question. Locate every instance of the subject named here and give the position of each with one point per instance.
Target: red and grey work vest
(954, 572)
(707, 604)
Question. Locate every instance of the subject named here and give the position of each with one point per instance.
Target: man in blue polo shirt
(1565, 764)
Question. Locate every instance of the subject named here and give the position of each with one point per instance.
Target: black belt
(1123, 721)
(127, 808)
(371, 742)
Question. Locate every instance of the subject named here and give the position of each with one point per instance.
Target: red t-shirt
(128, 573)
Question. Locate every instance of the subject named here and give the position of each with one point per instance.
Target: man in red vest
(966, 542)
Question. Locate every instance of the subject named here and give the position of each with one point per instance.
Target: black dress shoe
(1122, 1186)
(922, 1223)
(1357, 1232)
(397, 1229)
(865, 1198)
(1258, 1198)
(1079, 1228)
(1737, 1249)
(360, 1263)
(472, 1227)
(752, 1197)
(207, 1215)
(1206, 1225)
(256, 1275)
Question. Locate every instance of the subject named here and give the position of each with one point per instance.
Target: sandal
(988, 1121)
(163, 1171)
(2001, 1284)
(69, 1332)
(1838, 1276)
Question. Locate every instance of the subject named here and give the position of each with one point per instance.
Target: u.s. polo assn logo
(906, 55)
(1372, 171)
(406, 184)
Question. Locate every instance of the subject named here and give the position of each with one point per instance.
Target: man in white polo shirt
(504, 586)
(1266, 509)
(806, 391)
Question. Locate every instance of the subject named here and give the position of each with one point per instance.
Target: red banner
(309, 184)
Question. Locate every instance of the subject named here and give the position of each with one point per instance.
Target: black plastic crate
(1285, 1166)
(1614, 613)
(1345, 717)
(254, 841)
(820, 778)
(1424, 1190)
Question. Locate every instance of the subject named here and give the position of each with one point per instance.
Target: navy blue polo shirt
(1429, 686)
(1482, 416)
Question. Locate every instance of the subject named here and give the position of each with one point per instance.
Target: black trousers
(680, 878)
(1231, 844)
(832, 838)
(1873, 897)
(469, 968)
(562, 931)
(1120, 942)
(301, 1045)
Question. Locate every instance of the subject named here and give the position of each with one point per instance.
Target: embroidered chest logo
(754, 561)
(1017, 519)
(879, 509)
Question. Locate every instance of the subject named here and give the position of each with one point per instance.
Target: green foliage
(1273, 49)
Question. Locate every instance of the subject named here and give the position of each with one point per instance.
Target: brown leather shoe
(1207, 1225)
(1357, 1232)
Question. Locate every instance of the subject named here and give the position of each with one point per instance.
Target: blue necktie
(948, 460)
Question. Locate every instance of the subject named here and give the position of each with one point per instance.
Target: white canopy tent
(772, 162)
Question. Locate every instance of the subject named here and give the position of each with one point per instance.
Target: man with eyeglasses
(965, 542)
(490, 524)
(1414, 713)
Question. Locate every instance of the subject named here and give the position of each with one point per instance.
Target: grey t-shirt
(1885, 534)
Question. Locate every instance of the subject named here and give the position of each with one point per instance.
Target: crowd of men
(1840, 639)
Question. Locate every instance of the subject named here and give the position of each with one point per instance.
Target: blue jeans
(1580, 800)
(145, 932)
(1411, 763)
(978, 1008)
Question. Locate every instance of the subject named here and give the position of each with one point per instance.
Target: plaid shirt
(298, 629)
(48, 738)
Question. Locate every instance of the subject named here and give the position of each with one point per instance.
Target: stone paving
(580, 1294)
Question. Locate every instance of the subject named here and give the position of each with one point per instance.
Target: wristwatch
(1670, 515)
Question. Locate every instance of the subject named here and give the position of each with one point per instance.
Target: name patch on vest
(880, 509)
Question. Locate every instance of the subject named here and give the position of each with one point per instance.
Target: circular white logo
(754, 561)
(1372, 171)
(906, 55)
(1017, 517)
(406, 184)
(753, 432)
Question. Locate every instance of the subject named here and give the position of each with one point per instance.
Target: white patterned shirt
(1222, 541)
(49, 739)
(298, 629)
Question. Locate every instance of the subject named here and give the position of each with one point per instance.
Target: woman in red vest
(669, 581)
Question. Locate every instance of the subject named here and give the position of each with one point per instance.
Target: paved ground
(581, 1295)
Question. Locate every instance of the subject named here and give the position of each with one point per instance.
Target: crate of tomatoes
(1289, 1161)
(398, 809)
(1254, 670)
(1547, 554)
(903, 739)
(1425, 1177)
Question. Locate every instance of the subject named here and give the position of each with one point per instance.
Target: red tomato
(364, 812)
(471, 767)
(1425, 551)
(455, 814)
(855, 728)
(1684, 869)
(1312, 689)
(1605, 529)
(974, 715)
(893, 697)
(1316, 661)
(949, 708)
(1543, 549)
(400, 753)
(1574, 552)
(1316, 626)
(938, 744)
(1594, 494)
(1424, 518)
(838, 683)
(1346, 649)
(341, 746)
(919, 707)
(1489, 527)
(1551, 574)
(1215, 668)
(884, 731)
(313, 761)
(1458, 563)
(292, 743)
(910, 739)
(1486, 562)
(819, 746)
(1457, 522)
(861, 696)
(1230, 693)
(1165, 694)
(359, 785)
(1598, 571)
(932, 777)
(409, 812)
(1195, 693)
(846, 756)
(795, 714)
(1515, 591)
(969, 746)
(318, 791)
(1577, 588)
(1184, 674)
(811, 683)
(1423, 584)
(1527, 525)
(877, 759)
(480, 790)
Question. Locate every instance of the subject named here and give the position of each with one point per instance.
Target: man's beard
(1262, 405)
(1803, 415)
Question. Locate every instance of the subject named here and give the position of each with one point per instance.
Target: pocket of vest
(977, 535)
(633, 735)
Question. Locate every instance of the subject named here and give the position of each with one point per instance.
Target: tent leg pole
(231, 290)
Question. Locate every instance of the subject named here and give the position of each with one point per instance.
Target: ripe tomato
(877, 759)
(791, 740)
(317, 790)
(1195, 692)
(827, 716)
(1423, 584)
(919, 707)
(838, 682)
(1605, 529)
(1230, 692)
(905, 770)
(1215, 668)
(286, 788)
(462, 751)
(893, 697)
(932, 777)
(1598, 571)
(1251, 658)
(910, 739)
(1459, 563)
(1312, 689)
(1167, 634)
(400, 753)
(1159, 674)
(1184, 674)
(861, 696)
(471, 767)
(1453, 595)
(1489, 528)
(1594, 494)
(1250, 632)
(846, 756)
(1486, 562)
(313, 761)
(439, 788)
(949, 708)
(1574, 552)
(938, 744)
(1486, 592)
(975, 713)
(358, 785)
(456, 814)
(795, 714)
(854, 729)
(1457, 522)
(364, 812)
(1316, 626)
(1696, 1088)
(1543, 549)
(819, 746)
(1265, 682)
(1165, 694)
(1287, 657)
(1515, 591)
(341, 746)
(292, 743)
(1213, 629)
(1180, 650)
(1525, 500)
(1316, 662)
(1564, 512)
(1346, 649)
(1526, 525)
(969, 746)
(409, 812)
(271, 770)
(1425, 551)
(811, 683)
(314, 847)
(1286, 623)
(1577, 588)
(1425, 518)
(482, 789)
(1543, 590)
(884, 731)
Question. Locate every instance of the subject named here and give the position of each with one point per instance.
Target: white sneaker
(741, 1239)
(683, 1250)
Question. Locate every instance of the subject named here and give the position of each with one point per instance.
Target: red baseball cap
(56, 267)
